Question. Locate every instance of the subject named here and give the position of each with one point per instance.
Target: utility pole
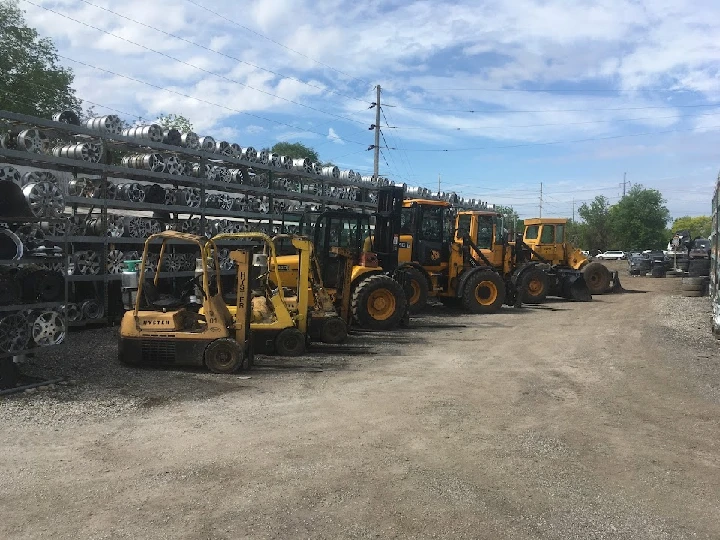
(541, 201)
(439, 176)
(624, 182)
(376, 168)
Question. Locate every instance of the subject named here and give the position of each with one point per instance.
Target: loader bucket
(573, 286)
(615, 286)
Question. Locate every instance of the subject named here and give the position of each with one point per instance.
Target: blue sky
(494, 97)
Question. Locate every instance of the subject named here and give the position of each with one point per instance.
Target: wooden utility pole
(376, 168)
(541, 201)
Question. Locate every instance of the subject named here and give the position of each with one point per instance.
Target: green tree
(31, 80)
(513, 223)
(296, 151)
(175, 121)
(596, 227)
(576, 233)
(699, 226)
(639, 220)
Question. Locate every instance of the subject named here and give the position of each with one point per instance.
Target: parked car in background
(638, 264)
(611, 256)
(700, 249)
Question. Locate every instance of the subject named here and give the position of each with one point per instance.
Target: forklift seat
(155, 300)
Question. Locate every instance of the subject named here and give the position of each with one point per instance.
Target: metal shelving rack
(266, 182)
(27, 312)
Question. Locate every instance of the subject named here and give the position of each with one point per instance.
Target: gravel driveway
(582, 421)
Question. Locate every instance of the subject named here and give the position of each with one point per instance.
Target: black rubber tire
(597, 277)
(290, 342)
(693, 293)
(224, 355)
(534, 285)
(419, 289)
(361, 302)
(474, 288)
(333, 331)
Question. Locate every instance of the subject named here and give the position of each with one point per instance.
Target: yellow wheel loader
(358, 266)
(465, 259)
(546, 238)
(190, 325)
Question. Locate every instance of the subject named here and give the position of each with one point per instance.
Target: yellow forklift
(284, 317)
(182, 328)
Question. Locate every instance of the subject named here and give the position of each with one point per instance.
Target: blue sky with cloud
(496, 97)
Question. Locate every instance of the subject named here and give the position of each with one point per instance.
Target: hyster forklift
(359, 267)
(465, 259)
(170, 328)
(546, 238)
(283, 322)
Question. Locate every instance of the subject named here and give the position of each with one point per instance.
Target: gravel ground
(565, 421)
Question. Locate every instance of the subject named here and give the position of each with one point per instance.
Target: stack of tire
(695, 286)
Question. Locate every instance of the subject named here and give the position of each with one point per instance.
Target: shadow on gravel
(89, 363)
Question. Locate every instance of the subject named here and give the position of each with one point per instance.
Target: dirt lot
(585, 421)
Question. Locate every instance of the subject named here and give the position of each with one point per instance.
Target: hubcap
(535, 287)
(486, 293)
(381, 304)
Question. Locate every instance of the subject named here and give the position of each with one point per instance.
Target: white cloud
(333, 136)
(612, 54)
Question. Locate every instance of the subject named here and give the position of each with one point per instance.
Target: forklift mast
(387, 226)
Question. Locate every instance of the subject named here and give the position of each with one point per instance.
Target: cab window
(485, 232)
(406, 215)
(547, 236)
(531, 232)
(431, 228)
(463, 226)
(560, 234)
(499, 229)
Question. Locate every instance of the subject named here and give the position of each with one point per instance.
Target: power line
(511, 111)
(237, 111)
(403, 154)
(199, 45)
(276, 42)
(550, 142)
(219, 75)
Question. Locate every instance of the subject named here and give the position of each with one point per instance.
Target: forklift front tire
(224, 355)
(290, 342)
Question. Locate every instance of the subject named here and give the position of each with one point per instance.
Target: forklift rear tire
(597, 277)
(290, 342)
(418, 289)
(333, 331)
(224, 355)
(379, 303)
(534, 285)
(484, 292)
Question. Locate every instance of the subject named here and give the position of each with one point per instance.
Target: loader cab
(426, 228)
(349, 231)
(546, 236)
(485, 229)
